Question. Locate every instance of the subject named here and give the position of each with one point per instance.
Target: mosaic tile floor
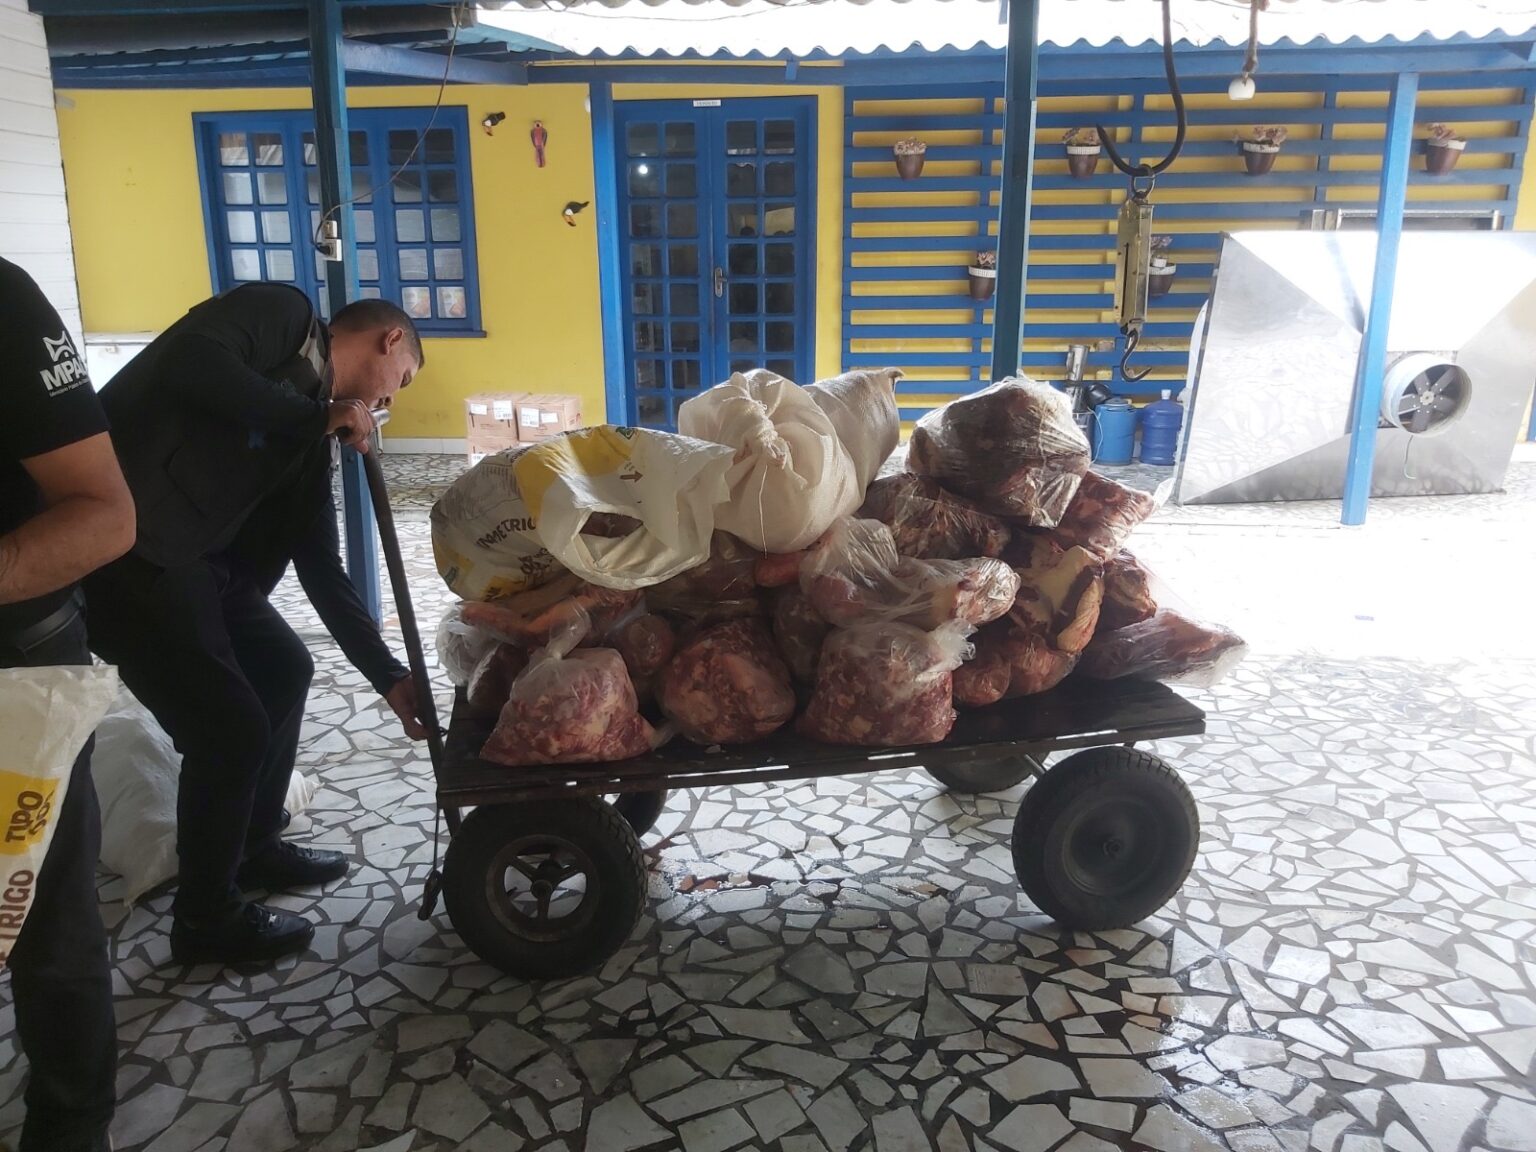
(847, 964)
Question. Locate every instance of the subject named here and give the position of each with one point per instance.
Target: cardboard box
(540, 416)
(487, 441)
(492, 412)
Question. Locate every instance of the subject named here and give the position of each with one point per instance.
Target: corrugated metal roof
(801, 28)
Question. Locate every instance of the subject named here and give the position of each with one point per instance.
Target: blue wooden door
(716, 221)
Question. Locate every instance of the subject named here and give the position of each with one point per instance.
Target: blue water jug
(1114, 432)
(1160, 424)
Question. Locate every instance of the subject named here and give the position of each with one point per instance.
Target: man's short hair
(380, 315)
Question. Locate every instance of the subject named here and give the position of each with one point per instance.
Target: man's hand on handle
(402, 701)
(351, 422)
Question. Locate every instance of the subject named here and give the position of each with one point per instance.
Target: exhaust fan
(1274, 357)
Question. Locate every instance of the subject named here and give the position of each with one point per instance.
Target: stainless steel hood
(1273, 366)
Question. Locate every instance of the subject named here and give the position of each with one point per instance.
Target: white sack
(792, 476)
(46, 715)
(862, 408)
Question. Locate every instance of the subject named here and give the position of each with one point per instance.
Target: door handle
(719, 282)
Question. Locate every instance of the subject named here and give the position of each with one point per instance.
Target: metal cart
(544, 876)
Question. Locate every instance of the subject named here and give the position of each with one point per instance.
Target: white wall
(34, 215)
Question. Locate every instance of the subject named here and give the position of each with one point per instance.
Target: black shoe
(289, 866)
(254, 933)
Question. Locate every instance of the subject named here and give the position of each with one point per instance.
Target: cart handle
(389, 538)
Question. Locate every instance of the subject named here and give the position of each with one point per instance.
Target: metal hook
(1132, 342)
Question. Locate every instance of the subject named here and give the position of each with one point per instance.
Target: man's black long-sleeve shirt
(220, 427)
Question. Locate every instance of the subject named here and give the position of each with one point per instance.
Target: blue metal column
(1373, 348)
(328, 84)
(1018, 169)
(609, 251)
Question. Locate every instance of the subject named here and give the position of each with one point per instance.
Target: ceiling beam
(387, 60)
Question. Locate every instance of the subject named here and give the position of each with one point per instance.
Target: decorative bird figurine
(540, 137)
(570, 210)
(491, 120)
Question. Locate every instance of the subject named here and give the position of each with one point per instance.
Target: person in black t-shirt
(225, 426)
(64, 510)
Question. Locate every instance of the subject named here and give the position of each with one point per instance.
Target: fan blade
(1420, 421)
(1445, 405)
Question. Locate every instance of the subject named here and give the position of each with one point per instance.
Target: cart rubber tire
(998, 776)
(1105, 838)
(641, 809)
(584, 830)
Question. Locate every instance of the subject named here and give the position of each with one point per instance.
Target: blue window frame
(415, 235)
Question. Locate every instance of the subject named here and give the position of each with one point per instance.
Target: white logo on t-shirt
(68, 370)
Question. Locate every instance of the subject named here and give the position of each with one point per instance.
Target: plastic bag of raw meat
(460, 645)
(1103, 514)
(490, 685)
(570, 706)
(722, 588)
(855, 576)
(1043, 637)
(532, 618)
(1013, 448)
(931, 524)
(800, 632)
(885, 685)
(646, 642)
(1128, 595)
(791, 475)
(862, 408)
(1169, 647)
(727, 685)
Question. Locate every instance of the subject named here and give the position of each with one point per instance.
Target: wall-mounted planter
(983, 282)
(910, 157)
(1160, 279)
(1259, 159)
(1441, 156)
(1083, 160)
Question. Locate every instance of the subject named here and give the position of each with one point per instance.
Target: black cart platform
(545, 878)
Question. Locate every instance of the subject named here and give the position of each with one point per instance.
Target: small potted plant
(1443, 148)
(1160, 273)
(1260, 147)
(911, 154)
(1083, 149)
(983, 274)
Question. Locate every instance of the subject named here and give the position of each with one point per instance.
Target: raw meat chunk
(724, 587)
(461, 646)
(778, 569)
(1041, 641)
(490, 685)
(930, 523)
(1127, 594)
(1102, 515)
(855, 576)
(532, 618)
(800, 632)
(1169, 646)
(727, 685)
(646, 643)
(1013, 448)
(886, 685)
(570, 707)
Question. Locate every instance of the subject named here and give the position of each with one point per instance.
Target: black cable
(1181, 119)
(442, 88)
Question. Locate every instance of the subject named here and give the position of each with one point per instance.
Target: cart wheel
(1105, 838)
(545, 889)
(641, 809)
(998, 776)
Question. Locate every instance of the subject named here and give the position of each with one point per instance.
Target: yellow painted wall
(131, 167)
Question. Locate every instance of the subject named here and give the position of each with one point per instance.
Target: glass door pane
(667, 259)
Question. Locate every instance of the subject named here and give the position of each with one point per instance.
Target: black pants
(60, 977)
(227, 678)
